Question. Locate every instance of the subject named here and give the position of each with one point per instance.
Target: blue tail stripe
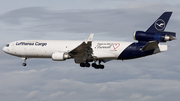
(157, 37)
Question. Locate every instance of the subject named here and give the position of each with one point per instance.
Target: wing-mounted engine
(159, 37)
(60, 56)
(82, 53)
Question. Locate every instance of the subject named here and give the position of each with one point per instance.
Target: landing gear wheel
(24, 64)
(87, 64)
(94, 64)
(101, 66)
(97, 66)
(82, 64)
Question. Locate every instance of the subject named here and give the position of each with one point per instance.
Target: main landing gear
(97, 66)
(85, 64)
(24, 64)
(93, 65)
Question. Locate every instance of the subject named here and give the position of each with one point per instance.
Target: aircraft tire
(101, 66)
(97, 67)
(82, 64)
(94, 65)
(24, 64)
(87, 65)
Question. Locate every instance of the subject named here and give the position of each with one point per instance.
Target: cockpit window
(7, 45)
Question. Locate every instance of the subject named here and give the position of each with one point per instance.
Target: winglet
(90, 38)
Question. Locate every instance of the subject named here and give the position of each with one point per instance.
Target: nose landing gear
(24, 64)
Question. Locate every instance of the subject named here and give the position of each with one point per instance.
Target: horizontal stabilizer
(151, 45)
(163, 48)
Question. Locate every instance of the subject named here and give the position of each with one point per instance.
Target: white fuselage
(45, 48)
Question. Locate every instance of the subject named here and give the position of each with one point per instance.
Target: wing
(84, 50)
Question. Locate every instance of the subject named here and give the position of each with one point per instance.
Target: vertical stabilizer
(160, 24)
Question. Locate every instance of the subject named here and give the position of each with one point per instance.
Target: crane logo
(160, 24)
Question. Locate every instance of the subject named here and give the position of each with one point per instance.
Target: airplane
(84, 52)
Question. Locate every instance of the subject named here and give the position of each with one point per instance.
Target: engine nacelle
(160, 37)
(60, 56)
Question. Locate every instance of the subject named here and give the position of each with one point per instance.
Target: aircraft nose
(5, 49)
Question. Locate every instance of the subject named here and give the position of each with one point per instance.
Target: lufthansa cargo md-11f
(84, 52)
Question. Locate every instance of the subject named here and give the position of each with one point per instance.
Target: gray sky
(152, 78)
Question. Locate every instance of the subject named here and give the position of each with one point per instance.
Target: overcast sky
(152, 78)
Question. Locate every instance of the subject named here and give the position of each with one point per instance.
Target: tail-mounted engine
(60, 56)
(159, 37)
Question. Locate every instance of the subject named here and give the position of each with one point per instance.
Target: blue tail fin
(160, 24)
